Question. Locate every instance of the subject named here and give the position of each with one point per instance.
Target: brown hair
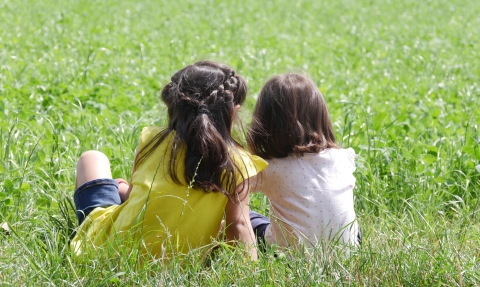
(290, 117)
(201, 100)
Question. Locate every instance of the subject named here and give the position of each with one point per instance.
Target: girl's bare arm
(238, 226)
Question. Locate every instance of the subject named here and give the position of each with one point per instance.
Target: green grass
(401, 78)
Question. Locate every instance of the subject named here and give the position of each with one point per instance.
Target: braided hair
(201, 101)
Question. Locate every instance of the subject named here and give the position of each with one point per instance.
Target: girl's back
(185, 177)
(309, 181)
(166, 216)
(311, 197)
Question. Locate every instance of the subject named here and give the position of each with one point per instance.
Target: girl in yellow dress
(185, 177)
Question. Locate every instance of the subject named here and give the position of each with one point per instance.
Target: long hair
(201, 101)
(290, 117)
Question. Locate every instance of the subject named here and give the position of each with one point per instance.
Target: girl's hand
(123, 189)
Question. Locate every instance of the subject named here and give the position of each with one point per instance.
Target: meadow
(401, 79)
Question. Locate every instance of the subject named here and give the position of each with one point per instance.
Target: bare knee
(92, 165)
(93, 156)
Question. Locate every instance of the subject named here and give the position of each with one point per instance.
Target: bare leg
(92, 165)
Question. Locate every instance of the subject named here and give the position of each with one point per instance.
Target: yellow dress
(160, 216)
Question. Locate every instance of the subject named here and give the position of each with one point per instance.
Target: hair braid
(201, 99)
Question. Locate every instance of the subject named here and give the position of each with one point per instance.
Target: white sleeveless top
(311, 198)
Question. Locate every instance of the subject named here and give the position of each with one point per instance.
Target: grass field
(401, 78)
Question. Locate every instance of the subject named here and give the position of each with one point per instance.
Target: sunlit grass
(401, 79)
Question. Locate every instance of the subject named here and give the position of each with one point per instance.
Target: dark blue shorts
(100, 192)
(259, 225)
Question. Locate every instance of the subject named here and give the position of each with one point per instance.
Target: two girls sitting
(188, 176)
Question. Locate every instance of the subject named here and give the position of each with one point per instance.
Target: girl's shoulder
(326, 157)
(326, 154)
(342, 152)
(335, 152)
(152, 129)
(247, 162)
(342, 158)
(150, 132)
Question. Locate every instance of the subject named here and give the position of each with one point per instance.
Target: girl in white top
(309, 180)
